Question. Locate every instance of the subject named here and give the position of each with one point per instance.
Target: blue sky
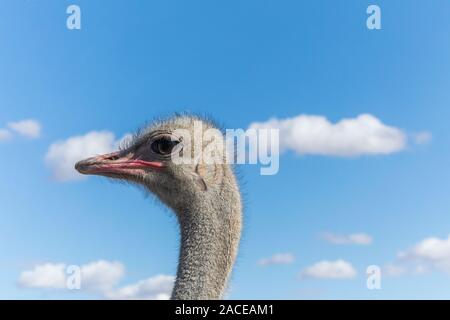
(241, 62)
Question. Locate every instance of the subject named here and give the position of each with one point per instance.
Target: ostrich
(205, 198)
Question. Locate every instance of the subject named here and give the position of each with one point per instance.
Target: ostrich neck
(209, 241)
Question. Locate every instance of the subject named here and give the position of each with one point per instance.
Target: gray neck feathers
(210, 231)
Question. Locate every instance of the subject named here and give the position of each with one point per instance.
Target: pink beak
(114, 163)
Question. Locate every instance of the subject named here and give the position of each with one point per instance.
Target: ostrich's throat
(209, 242)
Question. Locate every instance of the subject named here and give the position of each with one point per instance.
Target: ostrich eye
(163, 146)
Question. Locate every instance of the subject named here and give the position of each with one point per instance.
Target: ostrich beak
(115, 163)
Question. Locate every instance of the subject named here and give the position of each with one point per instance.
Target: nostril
(112, 157)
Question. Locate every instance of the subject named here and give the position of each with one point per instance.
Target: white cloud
(100, 278)
(431, 252)
(48, 275)
(101, 275)
(354, 238)
(338, 269)
(29, 128)
(62, 155)
(423, 137)
(96, 276)
(155, 288)
(280, 258)
(311, 134)
(5, 135)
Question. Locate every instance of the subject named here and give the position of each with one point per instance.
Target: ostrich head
(182, 161)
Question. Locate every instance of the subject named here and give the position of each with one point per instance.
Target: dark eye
(163, 146)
